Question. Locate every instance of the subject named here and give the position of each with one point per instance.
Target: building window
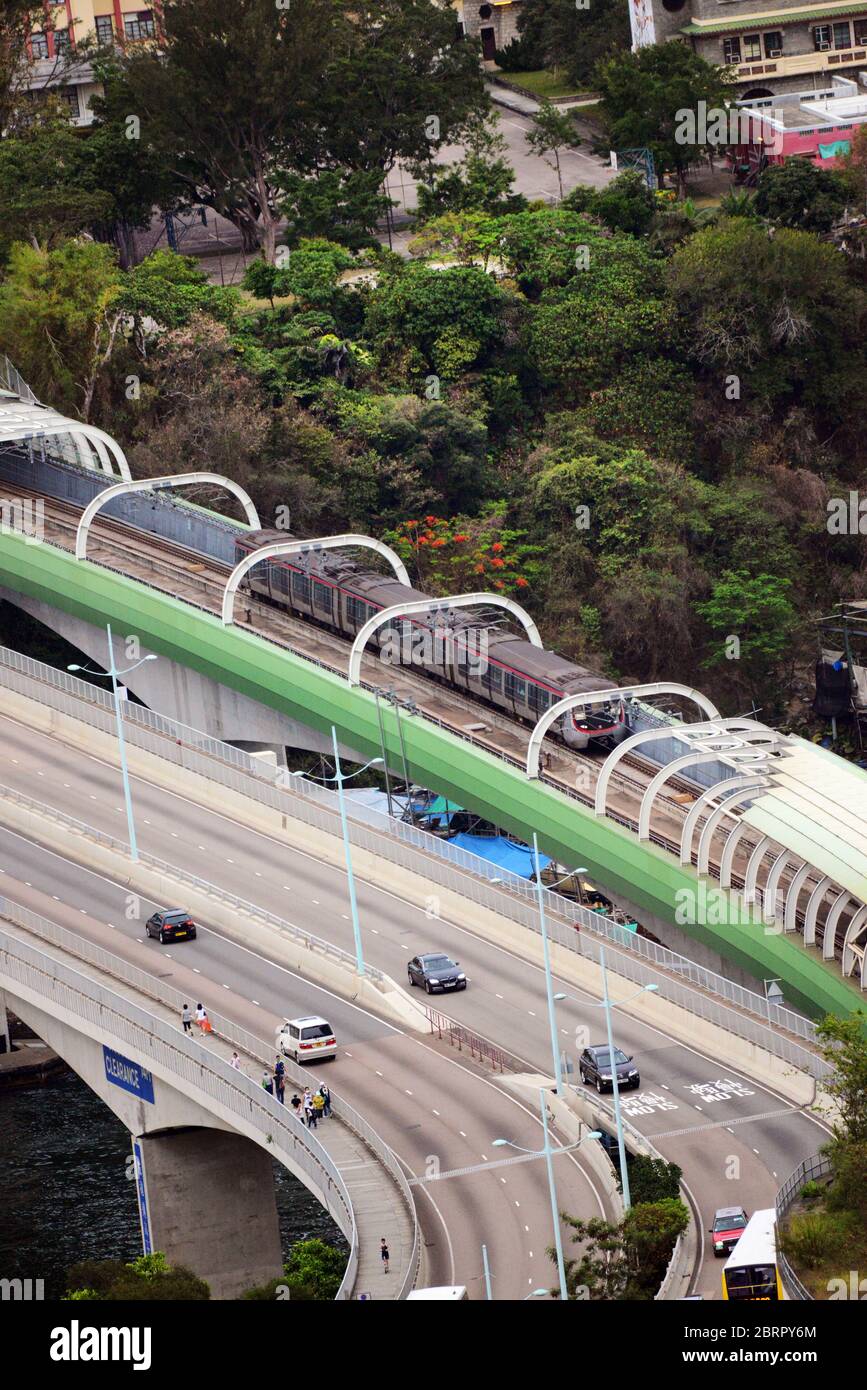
(822, 36)
(70, 96)
(773, 43)
(860, 30)
(61, 41)
(731, 50)
(104, 28)
(139, 26)
(841, 35)
(673, 5)
(752, 48)
(39, 45)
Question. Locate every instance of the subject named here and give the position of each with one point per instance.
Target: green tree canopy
(451, 318)
(643, 93)
(797, 193)
(150, 1278)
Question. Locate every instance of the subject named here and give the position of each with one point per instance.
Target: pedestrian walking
(235, 1061)
(268, 1083)
(200, 1014)
(295, 1102)
(318, 1105)
(384, 1255)
(309, 1112)
(187, 1018)
(280, 1087)
(326, 1097)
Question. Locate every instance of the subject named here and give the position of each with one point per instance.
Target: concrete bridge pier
(207, 1200)
(5, 1040)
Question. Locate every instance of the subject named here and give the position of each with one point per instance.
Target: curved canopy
(270, 552)
(154, 485)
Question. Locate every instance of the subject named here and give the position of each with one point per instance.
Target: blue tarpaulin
(517, 859)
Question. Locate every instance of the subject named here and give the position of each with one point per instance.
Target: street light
(113, 672)
(339, 778)
(608, 1006)
(549, 983)
(537, 1293)
(547, 1153)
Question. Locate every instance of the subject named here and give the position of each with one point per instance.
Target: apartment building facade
(58, 31)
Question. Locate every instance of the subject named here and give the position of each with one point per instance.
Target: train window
(537, 698)
(515, 689)
(321, 597)
(279, 578)
(492, 677)
(356, 610)
(300, 586)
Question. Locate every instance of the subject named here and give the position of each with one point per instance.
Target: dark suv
(594, 1065)
(436, 972)
(171, 924)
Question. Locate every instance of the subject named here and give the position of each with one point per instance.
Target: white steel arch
(812, 913)
(405, 610)
(596, 697)
(753, 866)
(746, 786)
(855, 945)
(702, 755)
(700, 804)
(831, 924)
(718, 730)
(270, 552)
(155, 485)
(790, 920)
(21, 422)
(772, 882)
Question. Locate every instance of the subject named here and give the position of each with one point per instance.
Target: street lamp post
(607, 1005)
(339, 778)
(113, 672)
(376, 695)
(549, 983)
(548, 1153)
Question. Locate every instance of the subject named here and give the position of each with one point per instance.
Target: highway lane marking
(435, 1112)
(409, 1093)
(379, 1073)
(256, 1002)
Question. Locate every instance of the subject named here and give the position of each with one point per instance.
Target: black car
(594, 1065)
(171, 924)
(436, 972)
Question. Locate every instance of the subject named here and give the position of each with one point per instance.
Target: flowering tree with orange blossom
(460, 554)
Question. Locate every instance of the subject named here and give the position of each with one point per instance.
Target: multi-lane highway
(734, 1138)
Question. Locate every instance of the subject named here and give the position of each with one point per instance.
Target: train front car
(601, 725)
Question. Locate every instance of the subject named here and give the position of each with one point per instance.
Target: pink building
(816, 125)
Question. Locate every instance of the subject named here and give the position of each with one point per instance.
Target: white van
(308, 1039)
(448, 1293)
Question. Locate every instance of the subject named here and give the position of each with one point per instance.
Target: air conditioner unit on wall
(775, 53)
(823, 47)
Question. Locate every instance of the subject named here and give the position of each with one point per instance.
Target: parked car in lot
(436, 972)
(309, 1039)
(596, 1069)
(729, 1224)
(171, 924)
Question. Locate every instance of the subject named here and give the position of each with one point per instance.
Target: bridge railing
(249, 1043)
(811, 1170)
(691, 986)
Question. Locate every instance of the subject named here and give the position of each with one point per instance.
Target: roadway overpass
(702, 1082)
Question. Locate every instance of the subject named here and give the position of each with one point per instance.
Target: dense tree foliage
(149, 1278)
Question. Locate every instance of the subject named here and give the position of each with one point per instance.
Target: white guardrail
(154, 1038)
(683, 982)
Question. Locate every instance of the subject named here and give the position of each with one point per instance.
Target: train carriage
(467, 654)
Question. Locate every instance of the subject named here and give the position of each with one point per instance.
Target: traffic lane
(435, 1112)
(217, 967)
(499, 980)
(503, 989)
(453, 1127)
